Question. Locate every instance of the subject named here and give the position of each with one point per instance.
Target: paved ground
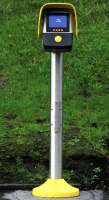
(26, 195)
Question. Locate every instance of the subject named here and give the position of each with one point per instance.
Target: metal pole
(56, 115)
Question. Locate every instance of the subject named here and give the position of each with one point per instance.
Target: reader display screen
(58, 21)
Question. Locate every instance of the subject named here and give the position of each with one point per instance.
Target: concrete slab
(26, 195)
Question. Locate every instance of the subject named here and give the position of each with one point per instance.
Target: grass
(25, 85)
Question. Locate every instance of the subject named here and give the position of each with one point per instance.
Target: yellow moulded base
(55, 188)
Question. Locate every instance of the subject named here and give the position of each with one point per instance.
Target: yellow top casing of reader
(66, 6)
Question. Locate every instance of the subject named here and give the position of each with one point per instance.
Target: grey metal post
(56, 115)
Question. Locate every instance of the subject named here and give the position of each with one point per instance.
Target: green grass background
(25, 90)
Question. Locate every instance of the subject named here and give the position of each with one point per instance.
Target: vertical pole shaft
(56, 115)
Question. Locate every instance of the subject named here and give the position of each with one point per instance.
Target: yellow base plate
(55, 188)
